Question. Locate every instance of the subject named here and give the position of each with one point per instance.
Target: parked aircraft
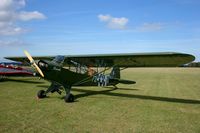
(10, 70)
(84, 70)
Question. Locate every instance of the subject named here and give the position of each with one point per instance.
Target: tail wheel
(41, 94)
(69, 98)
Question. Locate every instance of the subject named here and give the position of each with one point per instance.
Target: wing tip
(190, 57)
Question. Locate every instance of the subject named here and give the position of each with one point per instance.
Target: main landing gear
(56, 88)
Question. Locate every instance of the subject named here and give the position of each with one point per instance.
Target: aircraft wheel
(69, 98)
(41, 94)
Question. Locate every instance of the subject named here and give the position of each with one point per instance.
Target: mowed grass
(163, 100)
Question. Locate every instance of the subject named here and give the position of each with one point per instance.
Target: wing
(165, 59)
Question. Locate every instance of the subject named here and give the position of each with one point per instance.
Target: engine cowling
(43, 65)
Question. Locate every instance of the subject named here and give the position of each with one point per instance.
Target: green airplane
(90, 70)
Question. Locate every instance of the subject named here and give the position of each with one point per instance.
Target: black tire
(69, 98)
(41, 94)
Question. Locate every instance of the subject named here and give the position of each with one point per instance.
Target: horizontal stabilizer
(122, 81)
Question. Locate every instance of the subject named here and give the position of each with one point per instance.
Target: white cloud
(147, 27)
(26, 16)
(11, 30)
(11, 42)
(114, 22)
(104, 17)
(10, 14)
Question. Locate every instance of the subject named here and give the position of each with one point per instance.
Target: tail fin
(115, 73)
(115, 77)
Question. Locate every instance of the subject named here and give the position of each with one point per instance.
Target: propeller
(33, 63)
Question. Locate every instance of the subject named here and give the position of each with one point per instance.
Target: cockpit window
(59, 59)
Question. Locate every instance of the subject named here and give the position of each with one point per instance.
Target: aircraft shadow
(143, 97)
(86, 93)
(111, 87)
(22, 81)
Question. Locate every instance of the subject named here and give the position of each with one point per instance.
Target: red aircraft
(11, 70)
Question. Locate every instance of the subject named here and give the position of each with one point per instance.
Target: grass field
(163, 100)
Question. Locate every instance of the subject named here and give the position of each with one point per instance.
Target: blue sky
(67, 27)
